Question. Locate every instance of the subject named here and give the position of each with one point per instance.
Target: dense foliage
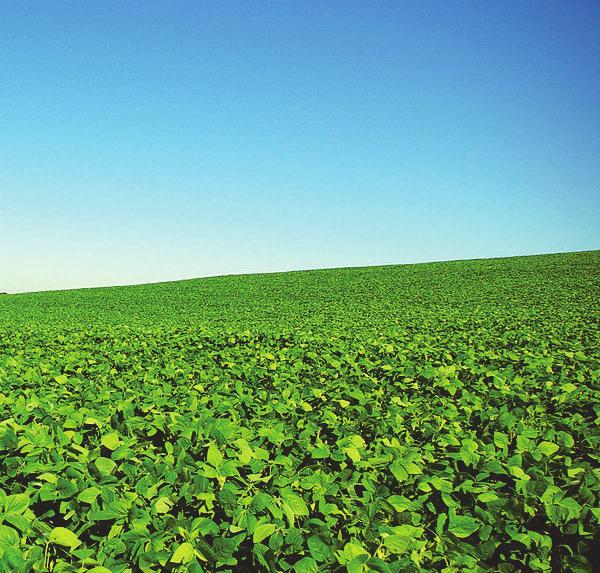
(438, 417)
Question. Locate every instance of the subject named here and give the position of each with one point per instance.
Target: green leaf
(518, 473)
(572, 506)
(487, 496)
(399, 472)
(262, 532)
(412, 468)
(163, 504)
(111, 441)
(547, 448)
(16, 503)
(105, 465)
(64, 537)
(8, 535)
(89, 495)
(318, 548)
(462, 526)
(353, 453)
(49, 477)
(354, 550)
(306, 565)
(214, 456)
(295, 502)
(399, 502)
(321, 452)
(440, 522)
(500, 440)
(21, 522)
(183, 554)
(357, 564)
(397, 544)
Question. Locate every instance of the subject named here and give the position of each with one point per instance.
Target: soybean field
(439, 417)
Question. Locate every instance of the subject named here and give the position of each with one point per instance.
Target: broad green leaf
(16, 503)
(8, 536)
(518, 473)
(49, 477)
(397, 544)
(352, 453)
(357, 564)
(318, 548)
(353, 550)
(399, 472)
(399, 502)
(462, 526)
(111, 441)
(306, 565)
(295, 502)
(89, 495)
(547, 448)
(487, 496)
(163, 504)
(263, 531)
(214, 456)
(501, 440)
(64, 537)
(183, 554)
(105, 465)
(321, 452)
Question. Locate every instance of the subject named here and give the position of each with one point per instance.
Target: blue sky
(146, 141)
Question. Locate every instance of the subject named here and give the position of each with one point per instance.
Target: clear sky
(146, 141)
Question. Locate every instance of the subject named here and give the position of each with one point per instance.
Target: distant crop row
(457, 438)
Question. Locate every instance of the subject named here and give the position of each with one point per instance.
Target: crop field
(438, 417)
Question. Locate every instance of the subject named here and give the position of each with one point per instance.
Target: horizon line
(309, 269)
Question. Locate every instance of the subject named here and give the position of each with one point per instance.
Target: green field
(433, 417)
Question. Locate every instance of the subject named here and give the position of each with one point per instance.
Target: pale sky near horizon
(148, 141)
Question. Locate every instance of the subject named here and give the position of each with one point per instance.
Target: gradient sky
(146, 141)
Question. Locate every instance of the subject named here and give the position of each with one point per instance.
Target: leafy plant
(439, 417)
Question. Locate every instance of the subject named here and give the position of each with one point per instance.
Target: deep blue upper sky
(145, 141)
